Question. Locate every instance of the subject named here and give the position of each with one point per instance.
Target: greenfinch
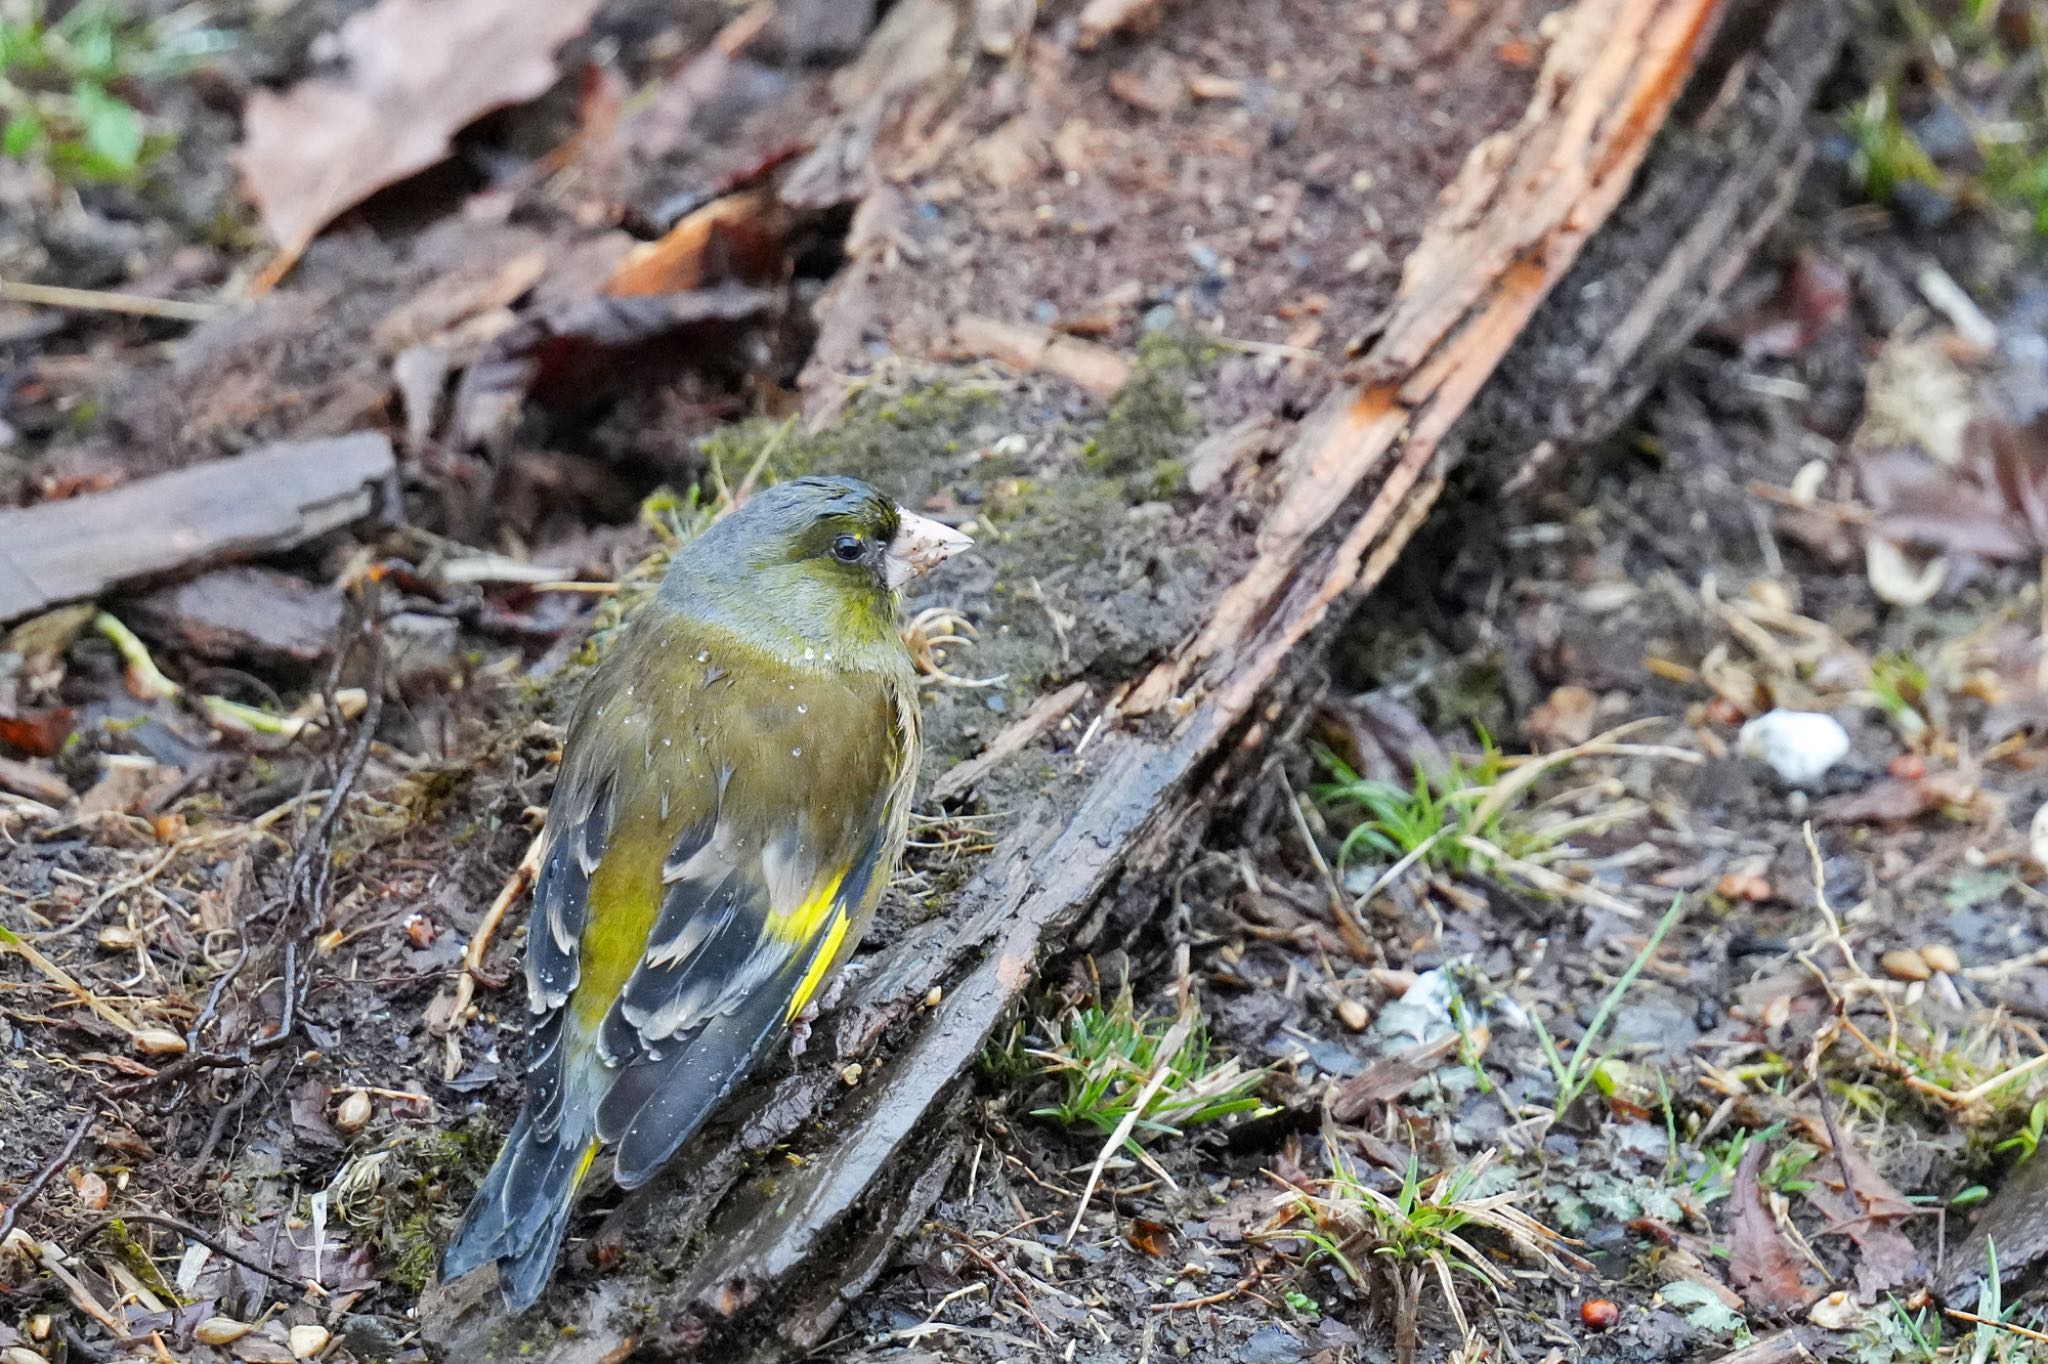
(734, 789)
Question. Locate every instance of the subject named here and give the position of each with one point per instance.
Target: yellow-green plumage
(734, 791)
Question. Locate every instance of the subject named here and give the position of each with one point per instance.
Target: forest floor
(1524, 1006)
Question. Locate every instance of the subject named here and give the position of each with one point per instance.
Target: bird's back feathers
(724, 822)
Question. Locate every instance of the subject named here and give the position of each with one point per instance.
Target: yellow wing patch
(798, 926)
(821, 963)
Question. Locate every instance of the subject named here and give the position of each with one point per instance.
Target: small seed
(119, 938)
(1599, 1314)
(159, 1042)
(1902, 964)
(1352, 1014)
(221, 1331)
(1907, 767)
(421, 931)
(1941, 957)
(307, 1341)
(40, 1325)
(933, 996)
(352, 1113)
(21, 1354)
(851, 1075)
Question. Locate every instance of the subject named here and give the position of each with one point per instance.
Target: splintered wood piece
(267, 500)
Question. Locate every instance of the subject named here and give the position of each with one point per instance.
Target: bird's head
(816, 559)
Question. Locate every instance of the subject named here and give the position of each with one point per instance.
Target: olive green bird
(733, 795)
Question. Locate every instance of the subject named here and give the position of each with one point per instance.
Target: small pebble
(1903, 964)
(308, 1341)
(1799, 745)
(119, 938)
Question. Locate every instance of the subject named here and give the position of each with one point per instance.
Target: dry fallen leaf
(36, 733)
(1760, 1264)
(413, 73)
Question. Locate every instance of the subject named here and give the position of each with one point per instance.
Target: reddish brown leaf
(1885, 1257)
(1889, 801)
(1760, 1265)
(1995, 506)
(414, 72)
(1814, 296)
(36, 733)
(1153, 1238)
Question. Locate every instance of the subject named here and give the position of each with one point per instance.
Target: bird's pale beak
(920, 544)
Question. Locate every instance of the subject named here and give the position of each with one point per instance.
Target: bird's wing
(689, 907)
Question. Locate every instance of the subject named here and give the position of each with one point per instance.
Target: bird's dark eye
(848, 549)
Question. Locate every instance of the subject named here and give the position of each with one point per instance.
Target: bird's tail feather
(517, 1218)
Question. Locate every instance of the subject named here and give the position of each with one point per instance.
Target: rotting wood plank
(766, 1281)
(267, 500)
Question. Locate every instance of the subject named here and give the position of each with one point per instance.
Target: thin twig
(1023, 1299)
(516, 885)
(64, 980)
(34, 1188)
(1348, 927)
(192, 1233)
(102, 301)
(309, 881)
(1960, 1315)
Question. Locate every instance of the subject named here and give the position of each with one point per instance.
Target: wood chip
(1097, 369)
(270, 499)
(34, 781)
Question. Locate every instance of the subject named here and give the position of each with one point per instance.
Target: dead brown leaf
(1889, 801)
(1886, 1258)
(1993, 506)
(1390, 1077)
(1153, 1238)
(36, 733)
(1564, 719)
(1760, 1264)
(413, 73)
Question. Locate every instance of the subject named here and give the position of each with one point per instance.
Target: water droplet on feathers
(796, 753)
(802, 709)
